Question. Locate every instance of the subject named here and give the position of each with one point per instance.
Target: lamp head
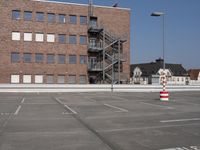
(157, 14)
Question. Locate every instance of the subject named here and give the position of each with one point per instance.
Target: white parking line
(57, 99)
(166, 107)
(180, 120)
(66, 106)
(187, 103)
(22, 100)
(73, 111)
(184, 148)
(121, 109)
(18, 109)
(147, 128)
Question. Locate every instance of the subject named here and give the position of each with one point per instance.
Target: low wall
(35, 88)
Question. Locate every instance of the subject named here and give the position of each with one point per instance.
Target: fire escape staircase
(110, 50)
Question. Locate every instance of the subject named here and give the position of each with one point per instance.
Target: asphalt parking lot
(99, 121)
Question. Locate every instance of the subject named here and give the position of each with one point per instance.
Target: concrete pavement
(102, 121)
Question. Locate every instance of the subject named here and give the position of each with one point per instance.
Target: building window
(50, 79)
(16, 36)
(50, 58)
(26, 78)
(27, 36)
(39, 37)
(50, 37)
(14, 79)
(83, 20)
(38, 78)
(62, 38)
(72, 59)
(61, 59)
(27, 15)
(15, 14)
(39, 16)
(83, 39)
(72, 39)
(39, 58)
(15, 57)
(72, 79)
(82, 79)
(93, 22)
(51, 17)
(27, 58)
(73, 19)
(61, 79)
(83, 59)
(61, 18)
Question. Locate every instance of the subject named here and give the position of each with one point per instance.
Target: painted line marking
(184, 148)
(18, 109)
(22, 100)
(66, 106)
(187, 103)
(166, 107)
(73, 111)
(6, 114)
(40, 103)
(180, 120)
(66, 113)
(59, 101)
(121, 109)
(147, 128)
(6, 122)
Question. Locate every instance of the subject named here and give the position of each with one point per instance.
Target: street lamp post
(164, 95)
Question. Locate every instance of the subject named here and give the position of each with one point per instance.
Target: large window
(72, 79)
(83, 20)
(50, 58)
(15, 14)
(62, 38)
(26, 78)
(16, 36)
(83, 39)
(39, 16)
(27, 15)
(38, 78)
(61, 18)
(39, 37)
(73, 19)
(15, 57)
(39, 58)
(82, 79)
(61, 79)
(27, 36)
(50, 79)
(72, 59)
(50, 37)
(72, 39)
(51, 17)
(27, 58)
(15, 78)
(61, 59)
(83, 59)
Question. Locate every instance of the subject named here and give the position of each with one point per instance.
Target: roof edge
(78, 4)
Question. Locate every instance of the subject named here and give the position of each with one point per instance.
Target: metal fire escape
(105, 52)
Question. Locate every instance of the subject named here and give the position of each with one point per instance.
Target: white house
(152, 73)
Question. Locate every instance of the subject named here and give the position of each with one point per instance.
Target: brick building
(55, 42)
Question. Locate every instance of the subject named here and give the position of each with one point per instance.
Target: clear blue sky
(182, 30)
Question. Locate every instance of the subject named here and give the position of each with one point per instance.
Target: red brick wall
(117, 21)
